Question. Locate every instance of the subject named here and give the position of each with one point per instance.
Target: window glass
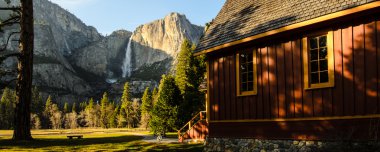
(318, 61)
(246, 71)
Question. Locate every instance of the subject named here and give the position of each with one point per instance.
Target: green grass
(94, 140)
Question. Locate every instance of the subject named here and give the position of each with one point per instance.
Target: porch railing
(201, 116)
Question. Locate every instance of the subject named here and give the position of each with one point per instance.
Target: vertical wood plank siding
(281, 94)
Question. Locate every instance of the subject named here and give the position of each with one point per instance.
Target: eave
(324, 18)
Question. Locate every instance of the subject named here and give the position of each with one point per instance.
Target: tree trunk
(25, 72)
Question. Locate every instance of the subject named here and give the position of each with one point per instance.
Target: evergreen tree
(121, 121)
(154, 95)
(136, 113)
(126, 105)
(113, 119)
(165, 111)
(7, 105)
(82, 106)
(47, 114)
(146, 107)
(37, 106)
(74, 108)
(183, 67)
(90, 104)
(126, 97)
(103, 111)
(128, 111)
(66, 108)
(48, 103)
(190, 72)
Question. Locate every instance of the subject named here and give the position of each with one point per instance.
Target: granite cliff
(73, 61)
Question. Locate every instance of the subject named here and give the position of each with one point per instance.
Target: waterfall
(127, 64)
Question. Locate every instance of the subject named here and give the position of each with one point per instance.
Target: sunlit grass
(93, 140)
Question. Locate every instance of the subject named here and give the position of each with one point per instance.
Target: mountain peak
(175, 15)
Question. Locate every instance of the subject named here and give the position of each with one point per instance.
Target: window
(318, 61)
(246, 73)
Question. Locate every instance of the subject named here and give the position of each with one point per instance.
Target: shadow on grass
(45, 143)
(165, 147)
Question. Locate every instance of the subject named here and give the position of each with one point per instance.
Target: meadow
(93, 140)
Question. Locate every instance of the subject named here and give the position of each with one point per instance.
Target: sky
(110, 15)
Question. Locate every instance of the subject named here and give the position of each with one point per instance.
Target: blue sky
(110, 15)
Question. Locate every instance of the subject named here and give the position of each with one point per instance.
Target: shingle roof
(240, 19)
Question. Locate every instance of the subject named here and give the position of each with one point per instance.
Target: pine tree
(103, 111)
(113, 119)
(121, 121)
(126, 97)
(146, 107)
(66, 108)
(126, 105)
(128, 111)
(154, 95)
(74, 108)
(48, 103)
(37, 106)
(7, 105)
(183, 67)
(190, 72)
(136, 113)
(165, 111)
(82, 106)
(46, 114)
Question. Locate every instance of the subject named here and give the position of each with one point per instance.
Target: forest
(161, 109)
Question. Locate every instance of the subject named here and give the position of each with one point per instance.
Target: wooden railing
(185, 130)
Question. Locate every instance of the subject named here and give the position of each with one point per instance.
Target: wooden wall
(280, 79)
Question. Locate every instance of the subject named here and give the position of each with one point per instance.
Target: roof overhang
(324, 18)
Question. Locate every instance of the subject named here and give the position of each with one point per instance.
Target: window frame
(238, 82)
(330, 61)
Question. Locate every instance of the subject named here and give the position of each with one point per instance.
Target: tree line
(49, 115)
(162, 109)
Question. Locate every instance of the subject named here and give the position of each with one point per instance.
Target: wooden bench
(77, 136)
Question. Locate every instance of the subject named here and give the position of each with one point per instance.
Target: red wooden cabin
(305, 69)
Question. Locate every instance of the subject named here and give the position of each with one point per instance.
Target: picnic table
(76, 136)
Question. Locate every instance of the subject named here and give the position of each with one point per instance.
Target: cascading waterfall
(127, 64)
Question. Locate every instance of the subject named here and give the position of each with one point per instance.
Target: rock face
(159, 42)
(72, 60)
(103, 58)
(58, 35)
(69, 32)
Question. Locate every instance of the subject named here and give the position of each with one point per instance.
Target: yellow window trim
(330, 57)
(246, 93)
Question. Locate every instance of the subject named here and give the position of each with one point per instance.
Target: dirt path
(152, 139)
